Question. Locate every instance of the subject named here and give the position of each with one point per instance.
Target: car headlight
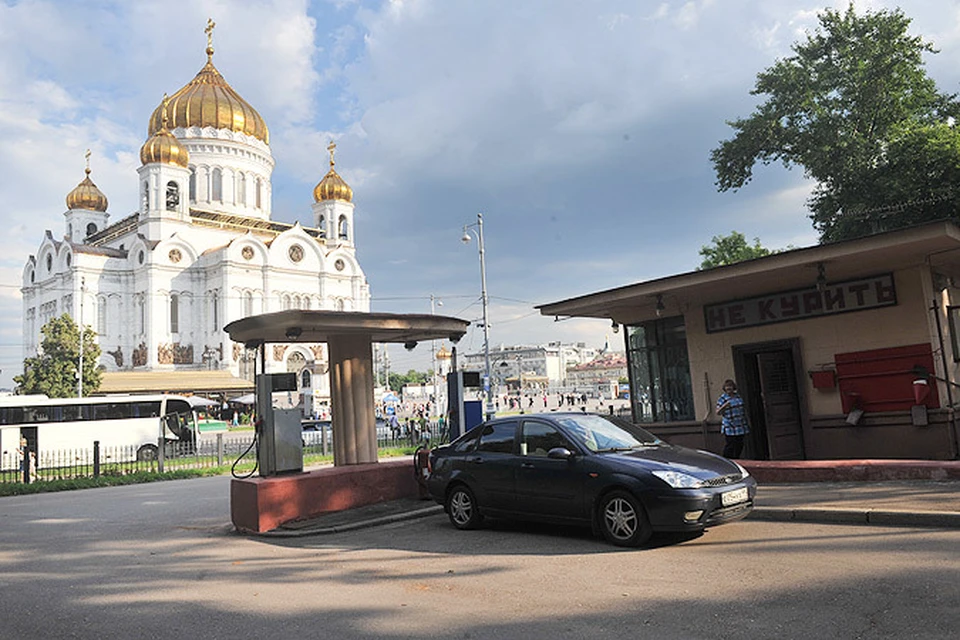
(743, 472)
(679, 480)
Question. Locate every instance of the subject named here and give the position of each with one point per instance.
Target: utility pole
(83, 283)
(434, 302)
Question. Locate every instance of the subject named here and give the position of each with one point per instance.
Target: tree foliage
(53, 371)
(855, 108)
(399, 380)
(730, 249)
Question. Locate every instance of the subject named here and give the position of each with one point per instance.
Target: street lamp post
(478, 232)
(83, 287)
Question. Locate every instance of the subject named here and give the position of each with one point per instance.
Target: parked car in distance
(312, 430)
(586, 469)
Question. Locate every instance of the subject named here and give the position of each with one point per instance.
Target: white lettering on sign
(853, 295)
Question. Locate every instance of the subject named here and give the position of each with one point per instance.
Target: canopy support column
(351, 399)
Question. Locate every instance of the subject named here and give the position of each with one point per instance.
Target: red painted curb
(790, 471)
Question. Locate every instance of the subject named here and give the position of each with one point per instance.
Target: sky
(580, 129)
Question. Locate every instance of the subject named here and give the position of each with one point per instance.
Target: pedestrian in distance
(733, 420)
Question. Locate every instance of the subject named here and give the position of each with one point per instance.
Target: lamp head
(465, 238)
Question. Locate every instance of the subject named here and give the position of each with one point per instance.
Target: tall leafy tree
(53, 371)
(855, 108)
(730, 249)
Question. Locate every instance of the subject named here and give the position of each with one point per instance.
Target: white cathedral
(159, 285)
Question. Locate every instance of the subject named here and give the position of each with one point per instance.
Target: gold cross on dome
(163, 117)
(331, 148)
(87, 156)
(209, 31)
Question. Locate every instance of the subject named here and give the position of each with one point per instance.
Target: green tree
(54, 370)
(730, 249)
(398, 380)
(855, 108)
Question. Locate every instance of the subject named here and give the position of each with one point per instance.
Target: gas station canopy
(297, 325)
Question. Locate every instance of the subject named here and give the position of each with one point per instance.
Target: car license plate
(734, 497)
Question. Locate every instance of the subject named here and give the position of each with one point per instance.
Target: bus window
(37, 414)
(145, 410)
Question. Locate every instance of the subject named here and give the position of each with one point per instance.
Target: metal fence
(209, 451)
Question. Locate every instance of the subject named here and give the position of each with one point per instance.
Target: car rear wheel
(622, 520)
(462, 508)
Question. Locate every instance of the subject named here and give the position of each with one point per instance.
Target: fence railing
(209, 451)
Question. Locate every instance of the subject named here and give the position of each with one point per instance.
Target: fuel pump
(278, 430)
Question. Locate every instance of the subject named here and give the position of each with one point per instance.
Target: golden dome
(443, 354)
(332, 187)
(208, 101)
(164, 147)
(86, 195)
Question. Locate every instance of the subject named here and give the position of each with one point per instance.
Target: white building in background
(159, 285)
(601, 375)
(541, 366)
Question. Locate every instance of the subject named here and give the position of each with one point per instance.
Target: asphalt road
(161, 561)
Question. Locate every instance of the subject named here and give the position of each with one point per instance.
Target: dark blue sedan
(581, 468)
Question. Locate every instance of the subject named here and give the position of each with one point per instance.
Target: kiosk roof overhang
(297, 325)
(935, 244)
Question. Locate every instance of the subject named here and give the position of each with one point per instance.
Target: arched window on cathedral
(284, 302)
(343, 228)
(141, 308)
(305, 379)
(145, 197)
(322, 225)
(174, 313)
(193, 184)
(259, 193)
(70, 231)
(339, 304)
(173, 196)
(91, 229)
(216, 186)
(247, 303)
(241, 189)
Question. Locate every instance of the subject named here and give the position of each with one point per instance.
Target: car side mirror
(560, 453)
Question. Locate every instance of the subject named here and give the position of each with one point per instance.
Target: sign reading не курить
(838, 297)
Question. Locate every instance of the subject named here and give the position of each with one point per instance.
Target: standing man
(733, 418)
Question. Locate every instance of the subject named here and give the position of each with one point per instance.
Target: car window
(598, 433)
(498, 437)
(466, 442)
(538, 438)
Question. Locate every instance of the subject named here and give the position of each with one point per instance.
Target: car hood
(700, 464)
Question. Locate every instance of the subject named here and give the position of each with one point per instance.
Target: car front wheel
(623, 520)
(462, 508)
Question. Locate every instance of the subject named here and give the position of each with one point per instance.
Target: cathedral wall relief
(140, 355)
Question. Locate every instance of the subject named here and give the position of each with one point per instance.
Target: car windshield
(607, 433)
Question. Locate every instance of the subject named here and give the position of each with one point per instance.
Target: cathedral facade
(159, 285)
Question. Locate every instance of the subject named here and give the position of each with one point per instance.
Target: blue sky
(581, 129)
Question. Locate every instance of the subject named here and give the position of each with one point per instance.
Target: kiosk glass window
(660, 385)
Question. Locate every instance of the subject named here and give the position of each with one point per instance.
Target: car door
(546, 486)
(492, 466)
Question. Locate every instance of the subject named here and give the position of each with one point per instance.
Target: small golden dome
(209, 101)
(86, 195)
(443, 354)
(164, 147)
(332, 187)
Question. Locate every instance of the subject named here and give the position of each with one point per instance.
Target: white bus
(133, 423)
